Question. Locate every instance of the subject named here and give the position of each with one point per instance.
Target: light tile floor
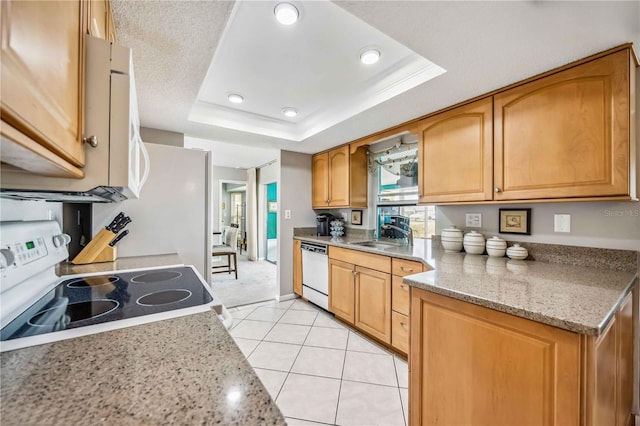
(318, 370)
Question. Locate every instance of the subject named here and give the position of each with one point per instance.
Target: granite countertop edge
(566, 324)
(400, 251)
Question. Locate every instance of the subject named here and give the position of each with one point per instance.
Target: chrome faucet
(407, 234)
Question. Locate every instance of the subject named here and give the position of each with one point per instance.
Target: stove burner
(153, 277)
(74, 312)
(93, 281)
(163, 297)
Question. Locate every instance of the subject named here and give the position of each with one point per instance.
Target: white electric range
(37, 306)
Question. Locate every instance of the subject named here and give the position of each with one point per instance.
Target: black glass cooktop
(83, 301)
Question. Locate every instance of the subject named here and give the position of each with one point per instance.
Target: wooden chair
(228, 249)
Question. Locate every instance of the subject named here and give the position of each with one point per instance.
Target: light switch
(474, 220)
(287, 214)
(562, 223)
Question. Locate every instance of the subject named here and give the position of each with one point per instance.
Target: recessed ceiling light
(235, 98)
(289, 112)
(370, 57)
(286, 13)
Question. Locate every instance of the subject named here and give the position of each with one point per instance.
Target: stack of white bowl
(474, 243)
(452, 239)
(516, 252)
(496, 247)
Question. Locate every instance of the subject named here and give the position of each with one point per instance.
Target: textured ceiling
(482, 45)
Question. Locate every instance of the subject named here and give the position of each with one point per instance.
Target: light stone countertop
(182, 371)
(185, 370)
(575, 298)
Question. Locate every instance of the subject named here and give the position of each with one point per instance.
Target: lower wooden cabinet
(373, 303)
(471, 365)
(400, 332)
(366, 290)
(297, 267)
(342, 290)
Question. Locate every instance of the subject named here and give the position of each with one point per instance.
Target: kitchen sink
(375, 244)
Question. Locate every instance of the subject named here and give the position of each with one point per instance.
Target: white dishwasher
(315, 274)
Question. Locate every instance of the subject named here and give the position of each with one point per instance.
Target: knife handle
(118, 238)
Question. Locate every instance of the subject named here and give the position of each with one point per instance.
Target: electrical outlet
(474, 220)
(287, 214)
(562, 223)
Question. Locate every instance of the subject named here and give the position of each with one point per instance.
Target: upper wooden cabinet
(42, 103)
(339, 179)
(566, 135)
(456, 154)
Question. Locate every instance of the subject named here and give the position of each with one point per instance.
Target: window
(395, 162)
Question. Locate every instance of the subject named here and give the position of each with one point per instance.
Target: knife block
(109, 254)
(98, 249)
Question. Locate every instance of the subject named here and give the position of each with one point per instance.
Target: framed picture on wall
(272, 206)
(515, 221)
(356, 217)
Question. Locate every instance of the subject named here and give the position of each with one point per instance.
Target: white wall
(30, 210)
(593, 224)
(225, 174)
(294, 193)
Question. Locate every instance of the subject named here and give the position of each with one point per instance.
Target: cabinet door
(400, 332)
(475, 366)
(565, 135)
(373, 303)
(320, 181)
(43, 75)
(399, 295)
(297, 268)
(342, 290)
(339, 177)
(609, 382)
(455, 154)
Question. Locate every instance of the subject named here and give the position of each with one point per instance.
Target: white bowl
(516, 252)
(473, 249)
(452, 232)
(452, 246)
(493, 252)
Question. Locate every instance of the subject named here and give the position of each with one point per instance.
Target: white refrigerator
(173, 213)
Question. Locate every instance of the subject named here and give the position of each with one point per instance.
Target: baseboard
(283, 298)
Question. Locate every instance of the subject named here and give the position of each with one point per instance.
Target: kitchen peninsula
(495, 340)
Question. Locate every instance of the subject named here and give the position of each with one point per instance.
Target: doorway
(233, 207)
(271, 243)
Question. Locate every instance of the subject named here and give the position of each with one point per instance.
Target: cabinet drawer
(404, 267)
(366, 260)
(399, 296)
(400, 332)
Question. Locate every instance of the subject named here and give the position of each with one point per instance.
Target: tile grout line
(395, 367)
(344, 363)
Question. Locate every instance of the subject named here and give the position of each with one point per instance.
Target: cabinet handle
(496, 190)
(404, 287)
(404, 325)
(406, 269)
(91, 140)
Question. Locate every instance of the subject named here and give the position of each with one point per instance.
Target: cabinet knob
(91, 140)
(496, 190)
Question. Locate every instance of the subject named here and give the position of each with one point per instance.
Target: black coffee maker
(323, 224)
